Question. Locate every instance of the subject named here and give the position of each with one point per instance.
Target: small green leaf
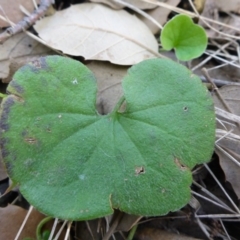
(73, 163)
(187, 38)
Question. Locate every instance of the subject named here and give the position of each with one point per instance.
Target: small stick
(26, 22)
(215, 88)
(219, 82)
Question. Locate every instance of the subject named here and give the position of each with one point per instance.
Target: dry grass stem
(211, 201)
(53, 228)
(220, 185)
(191, 14)
(60, 230)
(23, 223)
(141, 12)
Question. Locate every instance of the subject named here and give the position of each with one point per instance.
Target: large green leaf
(73, 163)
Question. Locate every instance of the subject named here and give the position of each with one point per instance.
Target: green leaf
(187, 38)
(73, 163)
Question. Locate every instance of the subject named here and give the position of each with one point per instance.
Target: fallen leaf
(81, 30)
(12, 218)
(127, 222)
(16, 52)
(137, 3)
(211, 11)
(11, 10)
(109, 83)
(228, 135)
(231, 6)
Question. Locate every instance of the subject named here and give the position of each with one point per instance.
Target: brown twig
(205, 72)
(26, 22)
(215, 88)
(219, 82)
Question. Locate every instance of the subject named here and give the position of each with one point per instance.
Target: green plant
(187, 38)
(72, 163)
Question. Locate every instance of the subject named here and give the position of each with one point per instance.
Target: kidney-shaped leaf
(73, 163)
(188, 39)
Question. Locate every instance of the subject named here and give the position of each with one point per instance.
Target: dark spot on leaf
(179, 164)
(9, 101)
(4, 151)
(139, 170)
(9, 168)
(4, 126)
(30, 140)
(16, 86)
(38, 64)
(24, 133)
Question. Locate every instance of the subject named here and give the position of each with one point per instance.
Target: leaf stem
(118, 105)
(39, 227)
(132, 232)
(2, 95)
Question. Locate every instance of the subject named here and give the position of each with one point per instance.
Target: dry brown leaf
(137, 3)
(228, 6)
(16, 52)
(230, 143)
(97, 32)
(11, 220)
(160, 14)
(127, 222)
(109, 77)
(10, 9)
(211, 11)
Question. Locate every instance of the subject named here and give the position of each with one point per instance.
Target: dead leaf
(211, 11)
(109, 77)
(127, 222)
(11, 221)
(137, 3)
(16, 52)
(160, 14)
(228, 135)
(156, 234)
(97, 32)
(231, 6)
(10, 9)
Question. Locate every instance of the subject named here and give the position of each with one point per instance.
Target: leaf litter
(85, 32)
(228, 134)
(204, 187)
